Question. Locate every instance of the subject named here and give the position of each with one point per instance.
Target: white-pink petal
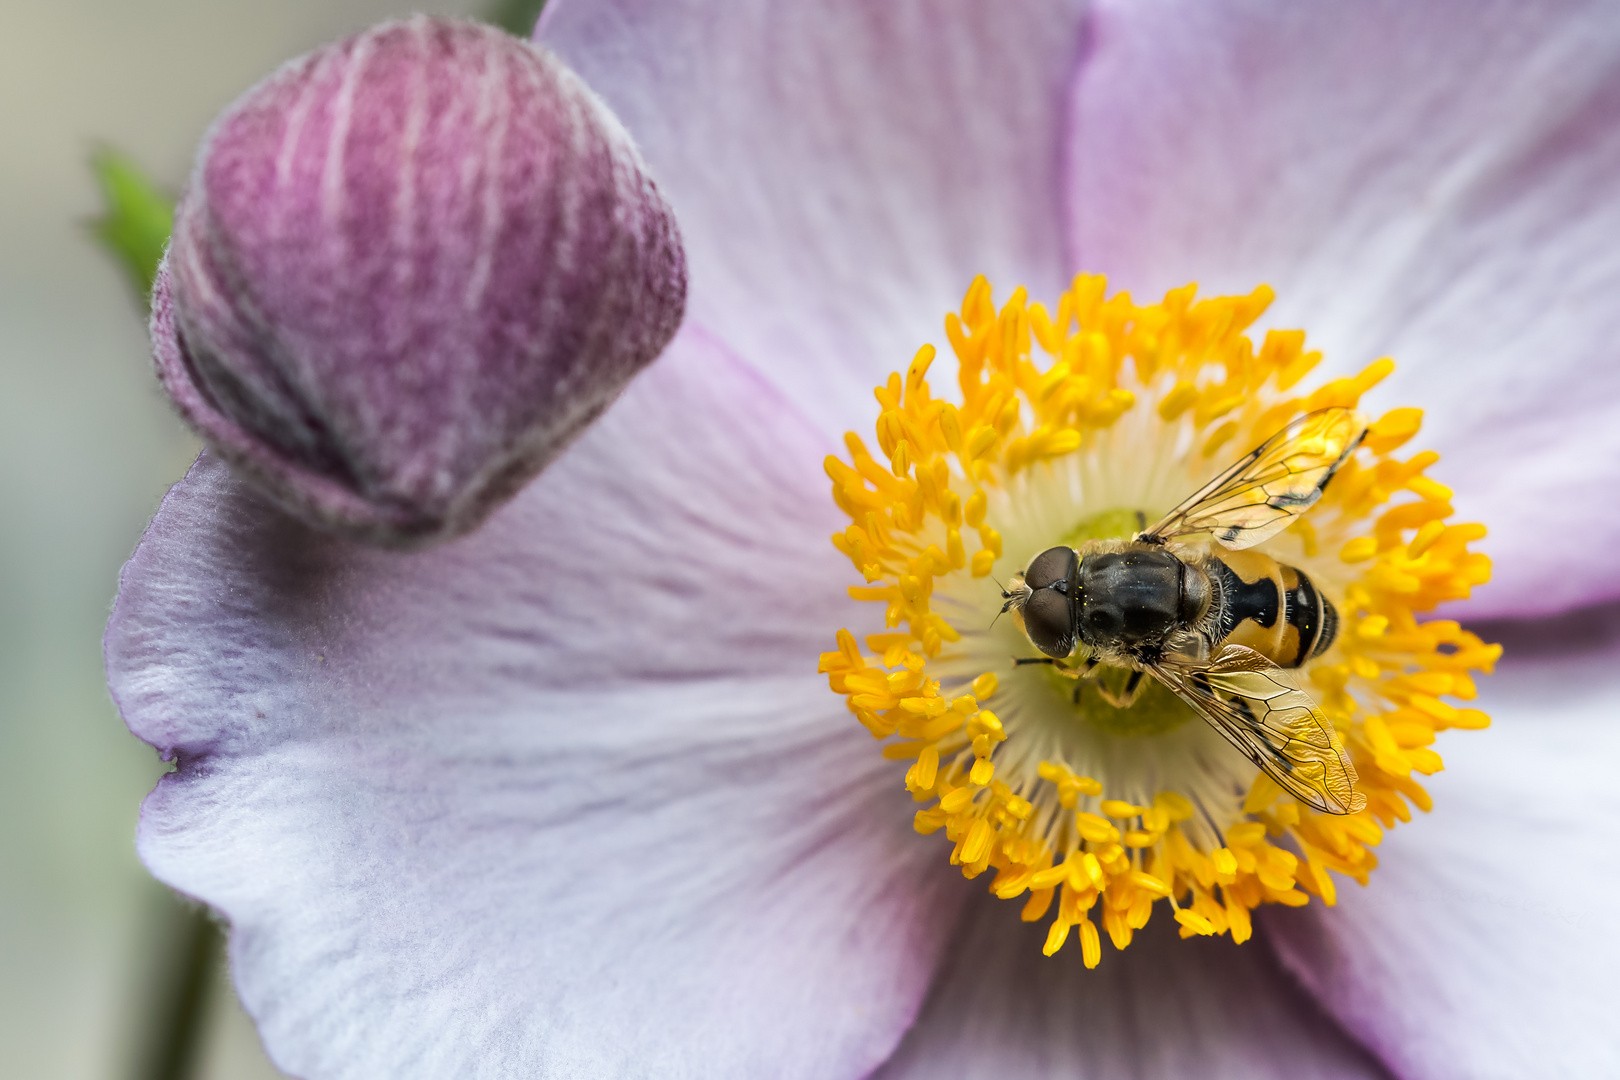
(1165, 1009)
(565, 797)
(840, 170)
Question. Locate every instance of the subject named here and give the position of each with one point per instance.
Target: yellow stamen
(1065, 797)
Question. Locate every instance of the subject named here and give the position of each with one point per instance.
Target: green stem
(515, 16)
(180, 1013)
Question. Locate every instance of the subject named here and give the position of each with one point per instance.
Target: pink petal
(562, 798)
(1485, 945)
(1164, 1008)
(840, 171)
(1430, 181)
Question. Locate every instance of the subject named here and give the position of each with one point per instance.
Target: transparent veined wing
(1260, 710)
(1261, 494)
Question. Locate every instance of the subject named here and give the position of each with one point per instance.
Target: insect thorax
(1138, 599)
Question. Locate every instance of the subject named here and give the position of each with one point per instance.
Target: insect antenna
(1011, 598)
(1007, 597)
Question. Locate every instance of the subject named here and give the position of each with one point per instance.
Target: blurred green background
(90, 946)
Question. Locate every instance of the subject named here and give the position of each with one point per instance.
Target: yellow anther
(847, 646)
(1435, 708)
(950, 426)
(1196, 923)
(1114, 808)
(1095, 829)
(1054, 875)
(978, 841)
(935, 560)
(1149, 882)
(1246, 834)
(979, 440)
(1425, 538)
(973, 511)
(1264, 791)
(1008, 418)
(1393, 429)
(1058, 443)
(1090, 945)
(1216, 405)
(903, 682)
(1178, 400)
(917, 374)
(1360, 549)
(985, 722)
(925, 770)
(1219, 438)
(1040, 901)
(1373, 627)
(1175, 805)
(900, 462)
(1094, 871)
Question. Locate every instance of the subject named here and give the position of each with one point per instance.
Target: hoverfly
(1220, 627)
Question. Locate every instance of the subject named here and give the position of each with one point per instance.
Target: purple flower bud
(411, 267)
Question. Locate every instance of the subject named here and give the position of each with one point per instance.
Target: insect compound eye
(1049, 622)
(1052, 566)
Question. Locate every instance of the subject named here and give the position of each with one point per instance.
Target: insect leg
(1068, 671)
(1126, 698)
(1090, 670)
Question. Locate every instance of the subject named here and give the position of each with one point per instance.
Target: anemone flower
(567, 797)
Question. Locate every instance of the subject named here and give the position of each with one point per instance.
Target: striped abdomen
(1271, 608)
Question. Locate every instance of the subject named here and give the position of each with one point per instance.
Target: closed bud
(409, 268)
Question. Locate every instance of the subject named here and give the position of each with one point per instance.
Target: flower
(411, 266)
(1098, 794)
(565, 798)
